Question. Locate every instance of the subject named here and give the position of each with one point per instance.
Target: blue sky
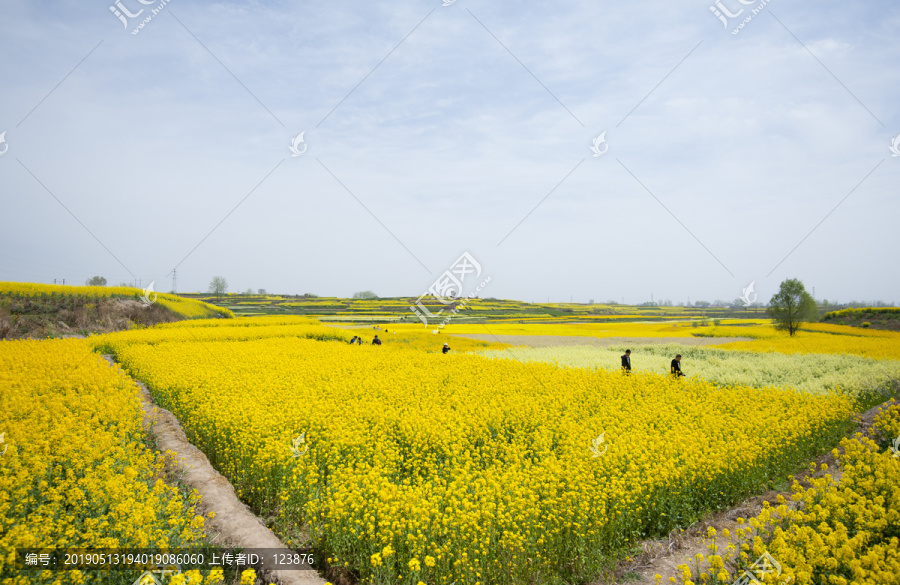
(433, 130)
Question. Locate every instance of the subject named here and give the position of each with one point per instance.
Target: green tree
(792, 306)
(365, 294)
(96, 281)
(218, 285)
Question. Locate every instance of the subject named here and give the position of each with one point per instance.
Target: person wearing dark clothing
(376, 341)
(676, 366)
(359, 340)
(352, 341)
(626, 361)
(446, 348)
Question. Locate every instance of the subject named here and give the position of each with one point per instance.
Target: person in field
(446, 348)
(352, 341)
(376, 341)
(676, 367)
(359, 340)
(626, 361)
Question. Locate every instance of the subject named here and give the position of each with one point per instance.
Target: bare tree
(218, 286)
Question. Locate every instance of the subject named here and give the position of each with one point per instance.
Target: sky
(575, 150)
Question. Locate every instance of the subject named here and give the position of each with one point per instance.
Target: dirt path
(557, 340)
(662, 556)
(234, 524)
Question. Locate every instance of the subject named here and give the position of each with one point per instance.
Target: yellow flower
(215, 576)
(491, 478)
(248, 577)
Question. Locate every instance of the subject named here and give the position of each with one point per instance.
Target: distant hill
(45, 310)
(474, 310)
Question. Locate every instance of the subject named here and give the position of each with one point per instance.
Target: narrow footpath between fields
(662, 556)
(234, 524)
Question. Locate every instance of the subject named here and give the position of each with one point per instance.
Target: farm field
(419, 467)
(397, 309)
(75, 471)
(749, 335)
(838, 528)
(813, 373)
(493, 464)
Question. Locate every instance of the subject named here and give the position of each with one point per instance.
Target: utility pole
(174, 280)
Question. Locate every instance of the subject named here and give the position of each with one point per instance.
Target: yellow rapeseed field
(812, 338)
(822, 338)
(246, 328)
(409, 467)
(74, 469)
(860, 377)
(631, 329)
(843, 533)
